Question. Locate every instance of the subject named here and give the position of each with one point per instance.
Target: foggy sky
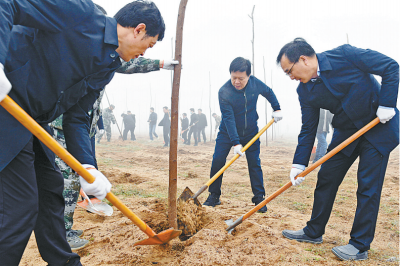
(217, 31)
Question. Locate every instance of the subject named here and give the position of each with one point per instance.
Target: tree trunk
(173, 151)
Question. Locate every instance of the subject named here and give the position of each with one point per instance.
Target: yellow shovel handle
(237, 155)
(26, 120)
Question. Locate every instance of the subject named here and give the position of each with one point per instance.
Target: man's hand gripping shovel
(188, 194)
(27, 121)
(232, 224)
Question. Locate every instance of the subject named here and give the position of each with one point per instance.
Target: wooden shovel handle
(27, 121)
(315, 165)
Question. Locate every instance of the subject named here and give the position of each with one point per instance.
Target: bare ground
(139, 174)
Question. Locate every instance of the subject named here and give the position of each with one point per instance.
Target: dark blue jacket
(58, 58)
(346, 72)
(239, 107)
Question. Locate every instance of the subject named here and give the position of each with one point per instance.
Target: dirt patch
(257, 241)
(191, 218)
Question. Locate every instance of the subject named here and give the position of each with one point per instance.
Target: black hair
(141, 11)
(129, 112)
(293, 50)
(184, 114)
(240, 65)
(101, 9)
(192, 109)
(151, 108)
(199, 109)
(165, 107)
(112, 105)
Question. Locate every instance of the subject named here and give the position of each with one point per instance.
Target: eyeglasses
(288, 73)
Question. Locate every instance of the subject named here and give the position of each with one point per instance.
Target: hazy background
(217, 31)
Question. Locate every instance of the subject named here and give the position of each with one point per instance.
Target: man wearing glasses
(341, 80)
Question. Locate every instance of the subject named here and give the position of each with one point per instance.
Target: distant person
(325, 119)
(238, 102)
(217, 122)
(202, 125)
(184, 128)
(129, 123)
(152, 124)
(108, 118)
(166, 124)
(194, 119)
(341, 80)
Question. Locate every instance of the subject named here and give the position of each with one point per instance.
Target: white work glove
(5, 85)
(385, 113)
(293, 173)
(236, 150)
(277, 115)
(100, 187)
(101, 131)
(169, 64)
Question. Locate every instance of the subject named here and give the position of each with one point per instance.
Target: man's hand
(237, 150)
(100, 187)
(277, 115)
(293, 173)
(169, 64)
(385, 114)
(5, 85)
(101, 131)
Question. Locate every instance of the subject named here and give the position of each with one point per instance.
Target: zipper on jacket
(245, 113)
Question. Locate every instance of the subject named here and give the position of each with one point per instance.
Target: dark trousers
(222, 148)
(184, 136)
(166, 135)
(195, 134)
(126, 130)
(370, 176)
(31, 199)
(203, 132)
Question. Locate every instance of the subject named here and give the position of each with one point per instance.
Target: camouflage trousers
(107, 129)
(72, 185)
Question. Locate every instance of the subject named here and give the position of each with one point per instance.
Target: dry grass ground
(139, 174)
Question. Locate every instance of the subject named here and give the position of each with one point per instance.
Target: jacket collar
(111, 35)
(323, 62)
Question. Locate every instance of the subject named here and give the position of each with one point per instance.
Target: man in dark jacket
(341, 80)
(184, 128)
(129, 123)
(152, 124)
(238, 103)
(202, 125)
(55, 58)
(194, 120)
(166, 124)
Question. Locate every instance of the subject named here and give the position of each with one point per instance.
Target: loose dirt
(139, 174)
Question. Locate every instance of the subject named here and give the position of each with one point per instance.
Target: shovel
(95, 205)
(27, 121)
(231, 224)
(187, 193)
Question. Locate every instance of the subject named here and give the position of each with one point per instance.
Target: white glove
(5, 85)
(170, 64)
(100, 187)
(101, 131)
(293, 173)
(385, 114)
(277, 115)
(236, 150)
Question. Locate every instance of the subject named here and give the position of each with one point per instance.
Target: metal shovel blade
(161, 238)
(232, 224)
(188, 194)
(97, 207)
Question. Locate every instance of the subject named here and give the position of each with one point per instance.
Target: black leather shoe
(212, 200)
(258, 200)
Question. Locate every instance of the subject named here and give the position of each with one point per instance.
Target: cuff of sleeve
(87, 166)
(235, 143)
(302, 167)
(157, 62)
